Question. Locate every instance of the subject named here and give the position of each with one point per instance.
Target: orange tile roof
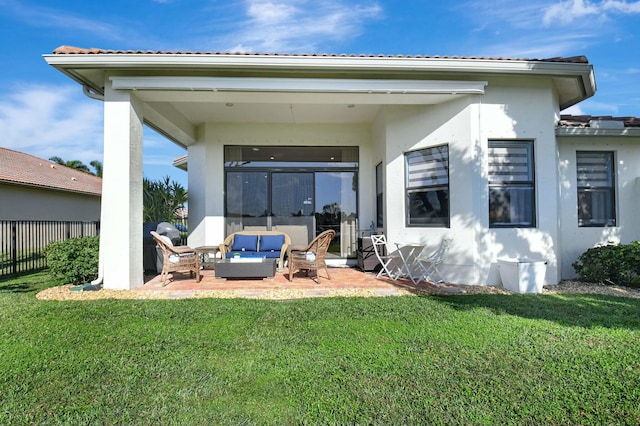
(72, 50)
(23, 169)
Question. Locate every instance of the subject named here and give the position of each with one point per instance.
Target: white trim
(244, 84)
(590, 131)
(327, 63)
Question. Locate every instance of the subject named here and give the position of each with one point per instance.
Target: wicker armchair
(311, 257)
(176, 258)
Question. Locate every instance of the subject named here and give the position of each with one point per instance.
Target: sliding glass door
(292, 212)
(308, 191)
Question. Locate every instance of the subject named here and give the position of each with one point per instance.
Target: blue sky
(44, 113)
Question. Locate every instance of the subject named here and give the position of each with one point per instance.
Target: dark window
(427, 183)
(511, 184)
(379, 197)
(596, 189)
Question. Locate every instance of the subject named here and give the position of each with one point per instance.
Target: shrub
(610, 264)
(75, 259)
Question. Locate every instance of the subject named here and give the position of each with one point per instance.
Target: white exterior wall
(526, 109)
(576, 239)
(25, 203)
(521, 109)
(206, 166)
(509, 110)
(121, 261)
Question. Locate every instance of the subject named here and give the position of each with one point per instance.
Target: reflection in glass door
(336, 209)
(292, 205)
(246, 200)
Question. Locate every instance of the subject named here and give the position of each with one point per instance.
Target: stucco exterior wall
(510, 109)
(514, 108)
(578, 239)
(27, 203)
(206, 159)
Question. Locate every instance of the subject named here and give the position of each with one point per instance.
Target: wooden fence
(22, 243)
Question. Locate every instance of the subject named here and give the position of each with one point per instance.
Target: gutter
(590, 131)
(92, 93)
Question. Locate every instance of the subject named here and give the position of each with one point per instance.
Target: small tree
(162, 199)
(79, 165)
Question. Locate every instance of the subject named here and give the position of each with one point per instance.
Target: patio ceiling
(193, 101)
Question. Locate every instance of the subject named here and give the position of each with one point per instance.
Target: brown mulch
(565, 287)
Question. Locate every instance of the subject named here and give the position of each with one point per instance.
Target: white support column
(121, 216)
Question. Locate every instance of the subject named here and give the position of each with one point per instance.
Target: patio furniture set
(409, 260)
(257, 254)
(246, 254)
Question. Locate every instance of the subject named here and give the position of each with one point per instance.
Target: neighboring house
(424, 147)
(35, 189)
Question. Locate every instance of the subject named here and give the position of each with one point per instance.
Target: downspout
(98, 281)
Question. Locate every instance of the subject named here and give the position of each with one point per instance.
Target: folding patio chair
(429, 264)
(390, 261)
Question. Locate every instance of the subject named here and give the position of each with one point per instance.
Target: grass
(481, 359)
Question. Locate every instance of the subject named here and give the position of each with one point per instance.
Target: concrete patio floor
(345, 281)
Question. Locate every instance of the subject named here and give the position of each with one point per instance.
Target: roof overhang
(574, 81)
(181, 91)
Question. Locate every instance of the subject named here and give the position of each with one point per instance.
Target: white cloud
(622, 6)
(299, 26)
(51, 121)
(573, 110)
(46, 17)
(571, 10)
(538, 45)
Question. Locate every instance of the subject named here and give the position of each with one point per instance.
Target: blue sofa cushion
(271, 243)
(245, 243)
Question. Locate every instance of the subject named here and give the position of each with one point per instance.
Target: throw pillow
(271, 242)
(245, 243)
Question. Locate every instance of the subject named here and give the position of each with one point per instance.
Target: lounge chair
(312, 257)
(176, 258)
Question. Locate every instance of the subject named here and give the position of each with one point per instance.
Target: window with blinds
(596, 188)
(427, 186)
(511, 184)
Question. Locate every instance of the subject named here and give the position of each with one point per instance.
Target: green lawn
(484, 359)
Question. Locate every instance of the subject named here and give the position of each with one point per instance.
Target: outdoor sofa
(256, 243)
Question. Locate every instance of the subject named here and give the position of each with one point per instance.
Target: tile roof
(585, 120)
(23, 169)
(71, 50)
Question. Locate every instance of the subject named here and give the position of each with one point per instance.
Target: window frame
(513, 181)
(444, 220)
(610, 164)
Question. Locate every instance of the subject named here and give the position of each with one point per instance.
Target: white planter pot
(522, 275)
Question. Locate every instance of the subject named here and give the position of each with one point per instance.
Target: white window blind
(428, 167)
(510, 163)
(594, 169)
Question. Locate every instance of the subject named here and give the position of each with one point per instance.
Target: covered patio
(345, 281)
